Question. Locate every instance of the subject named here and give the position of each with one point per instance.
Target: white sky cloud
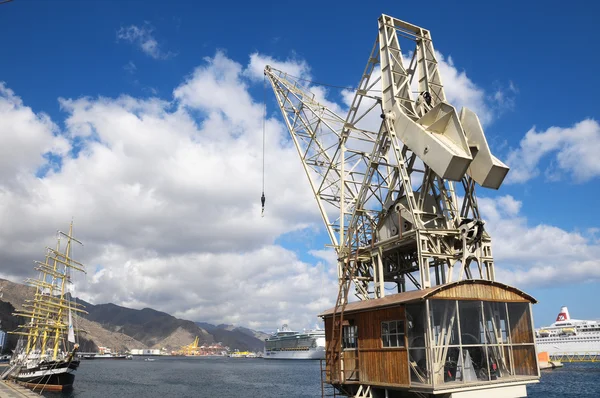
(143, 37)
(537, 255)
(572, 151)
(165, 194)
(461, 91)
(26, 138)
(255, 70)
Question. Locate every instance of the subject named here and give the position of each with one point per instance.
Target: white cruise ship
(569, 336)
(289, 344)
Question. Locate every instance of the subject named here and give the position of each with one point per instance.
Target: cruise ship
(289, 344)
(569, 336)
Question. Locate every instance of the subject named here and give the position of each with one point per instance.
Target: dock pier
(9, 389)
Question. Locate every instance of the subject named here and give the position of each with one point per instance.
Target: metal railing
(576, 357)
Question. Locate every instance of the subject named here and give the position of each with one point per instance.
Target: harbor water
(259, 378)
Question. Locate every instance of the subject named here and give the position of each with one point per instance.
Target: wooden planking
(384, 366)
(369, 325)
(351, 365)
(378, 364)
(521, 330)
(371, 362)
(479, 292)
(524, 360)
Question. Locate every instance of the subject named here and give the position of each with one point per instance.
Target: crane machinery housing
(395, 182)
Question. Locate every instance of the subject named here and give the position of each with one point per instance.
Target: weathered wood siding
(371, 363)
(521, 330)
(378, 364)
(524, 360)
(479, 292)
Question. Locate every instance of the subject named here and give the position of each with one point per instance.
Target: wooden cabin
(450, 339)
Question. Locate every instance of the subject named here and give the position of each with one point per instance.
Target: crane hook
(262, 201)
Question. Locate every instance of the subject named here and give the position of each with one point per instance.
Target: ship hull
(50, 376)
(569, 345)
(105, 357)
(310, 354)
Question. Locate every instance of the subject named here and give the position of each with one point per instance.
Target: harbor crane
(395, 179)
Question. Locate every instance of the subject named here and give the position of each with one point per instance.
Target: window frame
(399, 335)
(350, 337)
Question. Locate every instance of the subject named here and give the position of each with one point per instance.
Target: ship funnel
(563, 315)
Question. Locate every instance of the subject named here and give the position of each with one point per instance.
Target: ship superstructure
(45, 357)
(569, 336)
(290, 344)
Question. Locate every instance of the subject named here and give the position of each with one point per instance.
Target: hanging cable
(262, 198)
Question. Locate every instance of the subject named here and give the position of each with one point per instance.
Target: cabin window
(349, 336)
(392, 333)
(474, 341)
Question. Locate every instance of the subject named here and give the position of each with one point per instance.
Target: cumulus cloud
(295, 67)
(537, 255)
(263, 287)
(165, 195)
(572, 151)
(461, 91)
(28, 139)
(143, 37)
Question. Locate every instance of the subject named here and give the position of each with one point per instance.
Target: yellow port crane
(190, 349)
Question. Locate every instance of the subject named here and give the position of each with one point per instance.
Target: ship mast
(50, 310)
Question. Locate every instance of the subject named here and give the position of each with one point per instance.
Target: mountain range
(123, 329)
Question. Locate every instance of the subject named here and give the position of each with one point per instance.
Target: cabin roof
(447, 291)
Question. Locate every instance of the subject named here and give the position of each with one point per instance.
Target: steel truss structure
(395, 179)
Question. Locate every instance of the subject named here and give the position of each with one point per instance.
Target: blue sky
(73, 60)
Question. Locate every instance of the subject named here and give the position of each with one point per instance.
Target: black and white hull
(49, 376)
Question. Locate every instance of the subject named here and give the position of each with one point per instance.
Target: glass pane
(393, 327)
(415, 318)
(384, 328)
(495, 359)
(524, 357)
(444, 322)
(520, 323)
(475, 368)
(452, 366)
(471, 323)
(418, 367)
(495, 322)
(505, 365)
(400, 340)
(386, 340)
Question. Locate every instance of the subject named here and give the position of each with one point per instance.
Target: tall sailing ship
(45, 357)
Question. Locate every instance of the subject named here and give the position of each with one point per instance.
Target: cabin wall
(378, 364)
(371, 362)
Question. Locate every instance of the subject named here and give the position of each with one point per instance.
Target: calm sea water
(259, 378)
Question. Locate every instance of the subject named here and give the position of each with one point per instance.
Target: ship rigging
(45, 357)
